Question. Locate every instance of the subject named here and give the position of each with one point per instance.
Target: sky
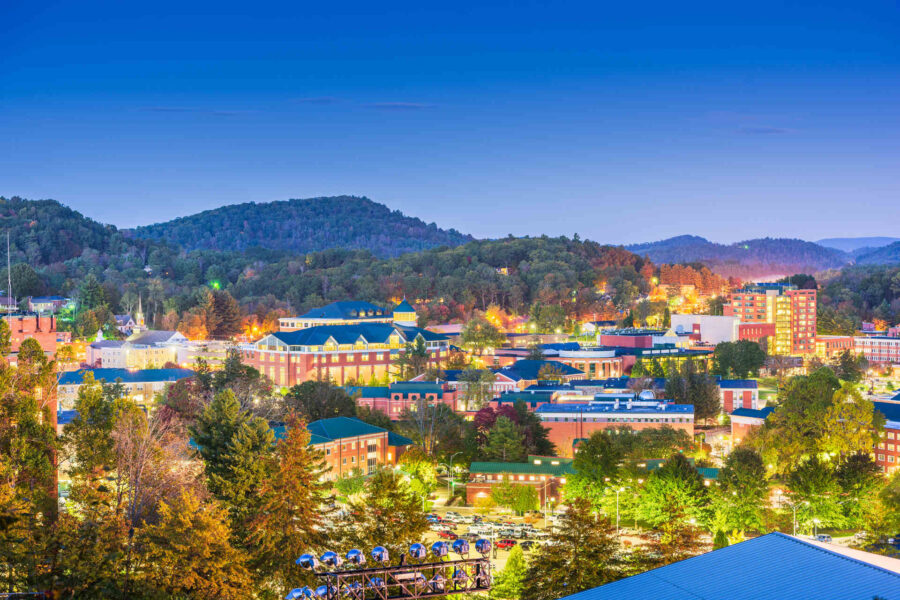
(623, 122)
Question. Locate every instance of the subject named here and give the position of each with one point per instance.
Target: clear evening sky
(623, 122)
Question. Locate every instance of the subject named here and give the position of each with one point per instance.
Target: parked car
(823, 537)
(527, 545)
(437, 527)
(506, 544)
(447, 535)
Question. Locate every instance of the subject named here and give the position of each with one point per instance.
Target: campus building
(738, 393)
(792, 311)
(142, 385)
(570, 422)
(349, 444)
(887, 451)
(547, 474)
(745, 420)
(349, 312)
(878, 349)
(358, 352)
(37, 327)
(398, 397)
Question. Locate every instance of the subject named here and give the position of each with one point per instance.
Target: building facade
(878, 349)
(142, 385)
(738, 393)
(792, 311)
(349, 444)
(887, 451)
(37, 327)
(572, 422)
(546, 474)
(142, 350)
(398, 397)
(341, 353)
(338, 313)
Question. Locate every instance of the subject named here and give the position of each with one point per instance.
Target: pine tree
(510, 582)
(290, 513)
(387, 514)
(580, 555)
(505, 442)
(187, 554)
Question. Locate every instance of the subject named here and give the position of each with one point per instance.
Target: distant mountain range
(304, 226)
(857, 244)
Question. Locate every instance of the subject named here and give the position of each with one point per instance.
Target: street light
(617, 507)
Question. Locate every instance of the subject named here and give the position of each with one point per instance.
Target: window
(373, 447)
(371, 464)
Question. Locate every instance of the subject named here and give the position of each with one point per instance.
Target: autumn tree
(314, 400)
(480, 334)
(581, 554)
(187, 554)
(291, 513)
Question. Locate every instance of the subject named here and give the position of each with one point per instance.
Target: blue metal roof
(404, 307)
(126, 375)
(772, 567)
(350, 309)
(375, 333)
(601, 407)
(746, 384)
(890, 410)
(64, 417)
(529, 369)
(761, 413)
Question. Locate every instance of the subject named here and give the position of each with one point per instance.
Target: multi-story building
(887, 451)
(398, 397)
(738, 393)
(878, 349)
(359, 352)
(570, 423)
(707, 329)
(349, 444)
(745, 420)
(142, 385)
(37, 327)
(546, 474)
(47, 304)
(339, 313)
(792, 311)
(828, 346)
(142, 350)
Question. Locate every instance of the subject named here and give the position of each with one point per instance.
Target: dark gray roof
(771, 567)
(150, 337)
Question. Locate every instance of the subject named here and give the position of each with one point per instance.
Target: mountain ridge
(302, 226)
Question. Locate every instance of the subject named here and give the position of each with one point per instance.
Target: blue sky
(623, 122)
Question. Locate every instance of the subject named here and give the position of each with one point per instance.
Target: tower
(405, 315)
(139, 317)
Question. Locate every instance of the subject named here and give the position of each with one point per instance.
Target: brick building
(570, 422)
(342, 353)
(392, 400)
(350, 444)
(738, 393)
(40, 328)
(792, 311)
(547, 474)
(744, 420)
(878, 349)
(142, 385)
(887, 452)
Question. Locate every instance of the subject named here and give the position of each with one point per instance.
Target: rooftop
(404, 307)
(373, 333)
(338, 428)
(529, 369)
(350, 309)
(746, 384)
(890, 410)
(529, 468)
(754, 413)
(638, 406)
(772, 567)
(125, 375)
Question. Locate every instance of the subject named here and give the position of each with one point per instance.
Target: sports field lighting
(461, 547)
(418, 551)
(331, 559)
(356, 557)
(380, 555)
(483, 547)
(308, 561)
(439, 550)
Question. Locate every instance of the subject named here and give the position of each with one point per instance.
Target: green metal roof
(339, 428)
(545, 468)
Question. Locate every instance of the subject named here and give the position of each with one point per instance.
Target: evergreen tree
(510, 582)
(187, 553)
(505, 443)
(581, 554)
(387, 513)
(291, 513)
(720, 540)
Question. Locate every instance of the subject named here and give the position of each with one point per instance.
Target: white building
(712, 329)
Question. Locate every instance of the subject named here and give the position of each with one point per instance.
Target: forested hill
(43, 232)
(765, 257)
(885, 255)
(304, 226)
